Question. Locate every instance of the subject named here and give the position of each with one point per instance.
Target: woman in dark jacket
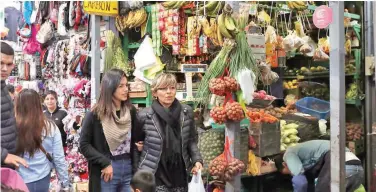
(170, 139)
(55, 114)
(107, 134)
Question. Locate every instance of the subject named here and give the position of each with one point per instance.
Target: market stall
(259, 75)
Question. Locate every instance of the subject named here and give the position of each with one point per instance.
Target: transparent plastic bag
(196, 184)
(320, 55)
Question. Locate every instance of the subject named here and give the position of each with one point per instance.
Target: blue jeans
(121, 179)
(42, 185)
(354, 177)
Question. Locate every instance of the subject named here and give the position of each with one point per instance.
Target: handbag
(45, 33)
(25, 32)
(48, 155)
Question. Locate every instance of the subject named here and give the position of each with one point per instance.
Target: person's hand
(15, 161)
(140, 146)
(196, 168)
(78, 119)
(107, 173)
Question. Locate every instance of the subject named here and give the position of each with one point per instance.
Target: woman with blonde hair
(170, 138)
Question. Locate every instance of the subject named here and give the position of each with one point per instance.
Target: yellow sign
(104, 8)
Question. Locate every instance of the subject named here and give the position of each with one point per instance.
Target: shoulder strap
(49, 157)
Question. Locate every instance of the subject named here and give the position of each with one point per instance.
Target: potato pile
(234, 111)
(217, 86)
(218, 114)
(231, 84)
(233, 168)
(274, 111)
(353, 131)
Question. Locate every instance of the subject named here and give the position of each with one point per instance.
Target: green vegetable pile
(114, 55)
(289, 133)
(211, 144)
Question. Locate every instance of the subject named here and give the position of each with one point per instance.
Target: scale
(189, 70)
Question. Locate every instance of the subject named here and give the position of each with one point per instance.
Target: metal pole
(369, 52)
(337, 98)
(95, 57)
(233, 134)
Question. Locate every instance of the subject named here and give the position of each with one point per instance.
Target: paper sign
(104, 8)
(257, 44)
(322, 17)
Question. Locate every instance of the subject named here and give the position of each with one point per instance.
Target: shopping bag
(196, 184)
(145, 57)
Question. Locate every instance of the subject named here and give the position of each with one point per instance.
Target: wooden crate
(139, 94)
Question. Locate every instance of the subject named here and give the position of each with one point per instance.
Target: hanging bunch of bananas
(226, 24)
(133, 19)
(174, 4)
(210, 29)
(297, 5)
(212, 7)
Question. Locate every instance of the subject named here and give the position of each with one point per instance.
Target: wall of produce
(268, 68)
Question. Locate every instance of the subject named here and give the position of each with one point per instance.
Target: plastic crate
(313, 106)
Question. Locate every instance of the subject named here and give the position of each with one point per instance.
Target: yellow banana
(130, 18)
(219, 36)
(229, 23)
(169, 4)
(205, 26)
(222, 27)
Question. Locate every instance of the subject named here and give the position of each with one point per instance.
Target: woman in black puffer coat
(170, 139)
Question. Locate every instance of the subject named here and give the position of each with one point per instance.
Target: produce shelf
(353, 102)
(134, 46)
(313, 76)
(243, 123)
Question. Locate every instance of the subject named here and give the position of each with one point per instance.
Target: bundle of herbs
(242, 57)
(216, 69)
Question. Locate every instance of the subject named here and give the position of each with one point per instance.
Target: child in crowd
(143, 181)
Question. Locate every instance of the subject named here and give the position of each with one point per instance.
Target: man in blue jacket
(8, 120)
(310, 160)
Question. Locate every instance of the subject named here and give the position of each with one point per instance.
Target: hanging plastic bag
(270, 35)
(245, 78)
(196, 184)
(320, 55)
(288, 42)
(267, 75)
(145, 57)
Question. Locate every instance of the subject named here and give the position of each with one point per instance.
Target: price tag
(253, 9)
(285, 7)
(322, 17)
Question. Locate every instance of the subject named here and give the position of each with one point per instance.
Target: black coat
(151, 127)
(57, 117)
(94, 147)
(8, 124)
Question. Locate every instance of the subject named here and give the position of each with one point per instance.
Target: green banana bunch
(173, 4)
(210, 6)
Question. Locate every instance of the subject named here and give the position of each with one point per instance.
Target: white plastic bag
(196, 184)
(145, 57)
(245, 78)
